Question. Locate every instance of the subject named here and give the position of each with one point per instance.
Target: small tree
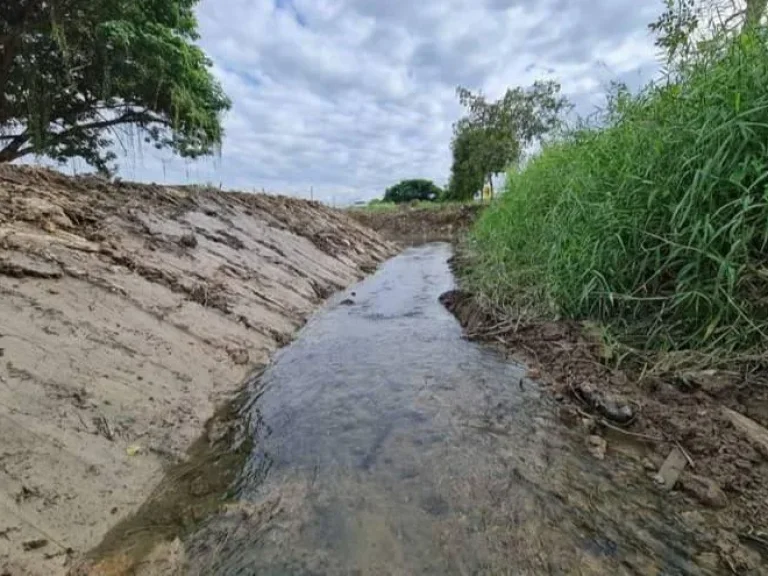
(73, 71)
(493, 135)
(410, 190)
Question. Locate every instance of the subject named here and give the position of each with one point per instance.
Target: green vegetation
(73, 71)
(492, 135)
(413, 190)
(654, 220)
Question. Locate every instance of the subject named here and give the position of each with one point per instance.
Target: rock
(588, 425)
(648, 465)
(606, 405)
(347, 302)
(34, 544)
(188, 241)
(533, 374)
(694, 518)
(597, 446)
(671, 469)
(756, 434)
(239, 356)
(199, 487)
(569, 416)
(705, 490)
(709, 561)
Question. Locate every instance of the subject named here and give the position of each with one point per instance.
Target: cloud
(349, 96)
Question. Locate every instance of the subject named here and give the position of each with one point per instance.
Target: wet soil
(724, 485)
(382, 441)
(128, 313)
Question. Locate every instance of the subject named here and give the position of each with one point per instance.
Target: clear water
(385, 443)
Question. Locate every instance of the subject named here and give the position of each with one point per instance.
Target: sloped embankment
(127, 312)
(421, 223)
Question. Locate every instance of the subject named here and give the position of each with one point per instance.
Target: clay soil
(722, 494)
(127, 314)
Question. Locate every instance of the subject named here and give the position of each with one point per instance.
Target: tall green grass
(655, 222)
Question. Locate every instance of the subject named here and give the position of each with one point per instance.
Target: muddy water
(385, 443)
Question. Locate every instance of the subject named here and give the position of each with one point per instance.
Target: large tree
(74, 72)
(493, 134)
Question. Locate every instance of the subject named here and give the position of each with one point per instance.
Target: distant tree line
(489, 139)
(413, 190)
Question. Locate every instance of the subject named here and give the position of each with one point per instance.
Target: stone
(705, 490)
(569, 416)
(606, 405)
(671, 469)
(239, 356)
(648, 465)
(597, 446)
(588, 425)
(754, 432)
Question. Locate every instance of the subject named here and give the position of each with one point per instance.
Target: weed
(655, 220)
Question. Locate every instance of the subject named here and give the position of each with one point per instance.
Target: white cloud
(349, 96)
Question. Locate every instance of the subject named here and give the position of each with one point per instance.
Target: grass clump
(653, 221)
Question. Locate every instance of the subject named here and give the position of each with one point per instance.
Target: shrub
(410, 190)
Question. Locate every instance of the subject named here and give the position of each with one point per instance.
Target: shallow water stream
(385, 443)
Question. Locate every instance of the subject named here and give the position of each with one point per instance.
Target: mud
(722, 494)
(127, 314)
(415, 225)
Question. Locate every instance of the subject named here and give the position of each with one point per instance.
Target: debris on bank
(703, 436)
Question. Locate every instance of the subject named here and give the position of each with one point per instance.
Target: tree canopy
(73, 71)
(410, 190)
(493, 135)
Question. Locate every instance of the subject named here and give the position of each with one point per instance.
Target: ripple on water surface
(385, 443)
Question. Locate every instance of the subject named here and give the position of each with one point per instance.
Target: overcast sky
(349, 96)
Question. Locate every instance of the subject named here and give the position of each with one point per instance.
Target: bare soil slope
(420, 224)
(127, 313)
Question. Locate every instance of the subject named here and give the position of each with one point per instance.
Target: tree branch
(14, 150)
(11, 151)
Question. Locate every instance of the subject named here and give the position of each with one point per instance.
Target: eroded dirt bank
(127, 313)
(698, 437)
(413, 225)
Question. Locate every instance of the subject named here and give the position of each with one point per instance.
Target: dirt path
(128, 313)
